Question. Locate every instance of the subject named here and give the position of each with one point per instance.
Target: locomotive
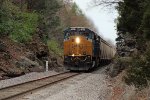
(84, 49)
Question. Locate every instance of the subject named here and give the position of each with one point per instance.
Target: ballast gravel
(25, 78)
(87, 86)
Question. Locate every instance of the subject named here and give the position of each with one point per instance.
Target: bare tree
(106, 3)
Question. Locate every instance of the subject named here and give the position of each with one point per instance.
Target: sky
(102, 18)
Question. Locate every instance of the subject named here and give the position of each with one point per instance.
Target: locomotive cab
(78, 48)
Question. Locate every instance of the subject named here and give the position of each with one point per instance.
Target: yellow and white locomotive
(84, 49)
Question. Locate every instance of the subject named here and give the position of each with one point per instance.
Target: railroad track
(8, 93)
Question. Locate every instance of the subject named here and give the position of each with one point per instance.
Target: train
(84, 49)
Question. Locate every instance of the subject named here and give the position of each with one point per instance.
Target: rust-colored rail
(20, 89)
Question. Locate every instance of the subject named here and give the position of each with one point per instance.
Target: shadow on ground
(93, 70)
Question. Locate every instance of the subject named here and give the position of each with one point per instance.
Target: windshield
(87, 35)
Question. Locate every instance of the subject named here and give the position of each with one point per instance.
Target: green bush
(138, 72)
(135, 74)
(24, 27)
(54, 46)
(18, 25)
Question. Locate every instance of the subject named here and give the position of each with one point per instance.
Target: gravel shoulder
(26, 78)
(87, 86)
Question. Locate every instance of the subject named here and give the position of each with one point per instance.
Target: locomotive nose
(77, 49)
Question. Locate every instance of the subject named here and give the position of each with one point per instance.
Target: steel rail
(7, 93)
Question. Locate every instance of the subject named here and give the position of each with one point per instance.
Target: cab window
(66, 36)
(87, 35)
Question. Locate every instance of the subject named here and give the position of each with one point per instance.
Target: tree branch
(106, 3)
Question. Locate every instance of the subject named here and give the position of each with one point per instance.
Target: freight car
(84, 49)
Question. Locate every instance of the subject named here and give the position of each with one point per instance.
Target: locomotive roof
(85, 29)
(79, 29)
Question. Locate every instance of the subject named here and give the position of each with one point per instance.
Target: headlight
(72, 55)
(77, 40)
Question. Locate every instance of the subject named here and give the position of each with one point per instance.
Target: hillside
(32, 32)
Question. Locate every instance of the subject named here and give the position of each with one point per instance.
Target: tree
(37, 5)
(76, 10)
(146, 21)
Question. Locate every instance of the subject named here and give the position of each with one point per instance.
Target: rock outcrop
(17, 59)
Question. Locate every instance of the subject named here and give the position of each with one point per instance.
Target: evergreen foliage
(134, 18)
(131, 14)
(146, 22)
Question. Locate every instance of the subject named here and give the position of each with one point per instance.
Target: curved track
(23, 88)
